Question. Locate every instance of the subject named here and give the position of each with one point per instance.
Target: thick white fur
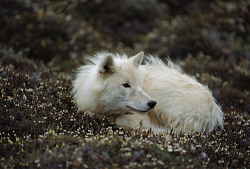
(182, 102)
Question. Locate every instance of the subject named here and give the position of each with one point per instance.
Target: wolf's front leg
(137, 120)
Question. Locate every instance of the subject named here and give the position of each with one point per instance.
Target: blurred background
(44, 29)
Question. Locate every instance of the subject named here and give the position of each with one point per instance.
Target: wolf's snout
(152, 104)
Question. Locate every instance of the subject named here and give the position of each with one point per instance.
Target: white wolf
(154, 95)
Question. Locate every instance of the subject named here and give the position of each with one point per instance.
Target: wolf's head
(111, 84)
(122, 84)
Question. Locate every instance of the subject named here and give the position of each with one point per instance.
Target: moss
(41, 44)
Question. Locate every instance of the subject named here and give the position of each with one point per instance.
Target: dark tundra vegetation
(42, 42)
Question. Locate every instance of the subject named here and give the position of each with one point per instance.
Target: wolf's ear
(107, 65)
(137, 59)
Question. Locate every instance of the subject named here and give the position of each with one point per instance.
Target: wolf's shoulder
(158, 63)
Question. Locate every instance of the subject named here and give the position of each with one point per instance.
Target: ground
(42, 42)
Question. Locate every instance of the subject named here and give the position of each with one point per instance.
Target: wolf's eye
(126, 85)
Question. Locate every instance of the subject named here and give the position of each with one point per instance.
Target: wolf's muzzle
(152, 104)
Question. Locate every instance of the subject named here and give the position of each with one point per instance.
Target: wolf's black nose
(152, 104)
